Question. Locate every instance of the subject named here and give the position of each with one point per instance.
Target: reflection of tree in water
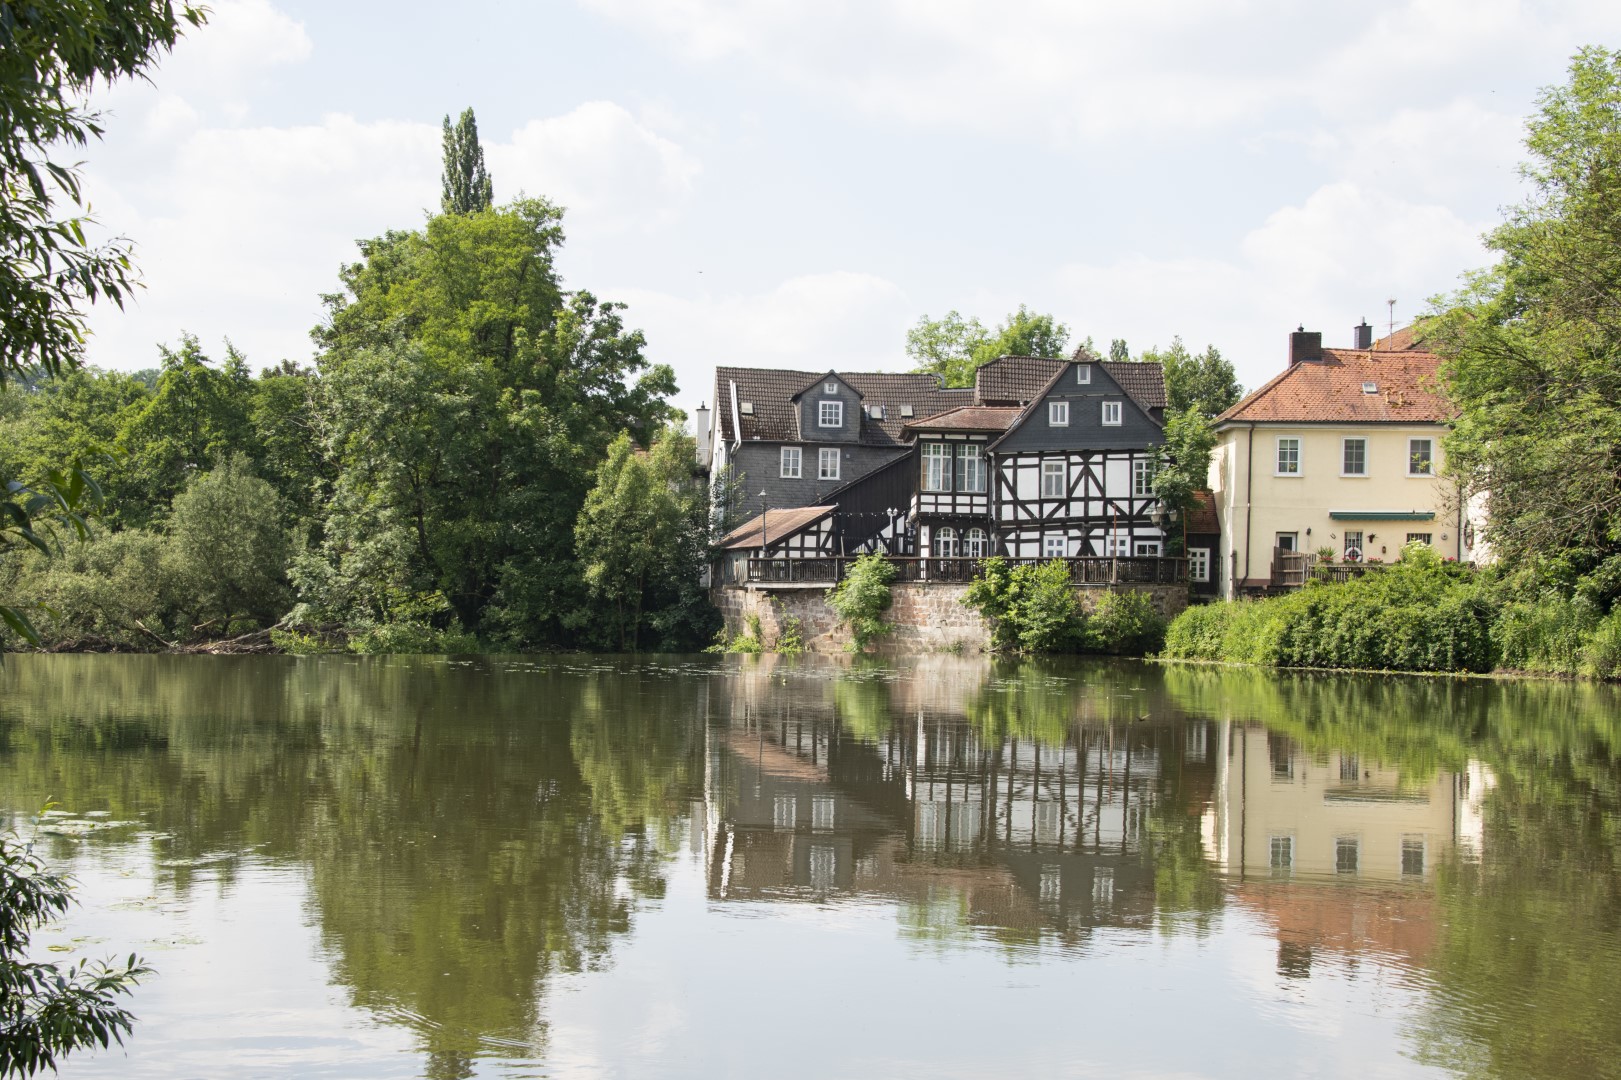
(465, 827)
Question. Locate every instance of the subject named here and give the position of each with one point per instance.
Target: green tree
(1204, 382)
(47, 1011)
(862, 597)
(466, 184)
(52, 52)
(1119, 352)
(1533, 347)
(228, 537)
(954, 347)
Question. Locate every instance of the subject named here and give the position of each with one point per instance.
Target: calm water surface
(752, 867)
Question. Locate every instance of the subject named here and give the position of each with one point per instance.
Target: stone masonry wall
(925, 617)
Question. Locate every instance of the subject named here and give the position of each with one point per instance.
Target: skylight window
(906, 411)
(1370, 388)
(746, 408)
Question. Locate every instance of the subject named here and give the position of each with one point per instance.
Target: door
(1287, 542)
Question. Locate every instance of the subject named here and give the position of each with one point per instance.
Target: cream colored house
(1342, 451)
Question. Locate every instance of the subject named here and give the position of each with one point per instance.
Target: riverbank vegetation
(1033, 608)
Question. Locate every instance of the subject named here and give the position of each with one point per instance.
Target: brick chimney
(1362, 336)
(1305, 345)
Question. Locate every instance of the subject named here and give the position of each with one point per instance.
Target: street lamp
(763, 505)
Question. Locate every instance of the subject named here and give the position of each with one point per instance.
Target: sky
(789, 184)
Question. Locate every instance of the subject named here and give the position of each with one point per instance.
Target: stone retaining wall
(925, 617)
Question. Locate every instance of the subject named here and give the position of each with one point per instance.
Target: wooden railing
(1083, 570)
(1292, 569)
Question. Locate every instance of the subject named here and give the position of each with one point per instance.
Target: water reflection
(474, 834)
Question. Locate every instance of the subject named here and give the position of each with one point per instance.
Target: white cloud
(609, 170)
(1326, 263)
(840, 319)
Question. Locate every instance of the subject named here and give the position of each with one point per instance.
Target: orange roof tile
(1330, 390)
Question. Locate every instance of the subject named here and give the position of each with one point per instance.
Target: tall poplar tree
(465, 182)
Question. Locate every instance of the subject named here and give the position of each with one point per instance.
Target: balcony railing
(1083, 570)
(1292, 569)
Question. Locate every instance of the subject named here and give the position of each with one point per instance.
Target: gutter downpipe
(1249, 501)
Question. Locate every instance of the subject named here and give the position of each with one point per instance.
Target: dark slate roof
(967, 418)
(772, 391)
(1019, 380)
(778, 524)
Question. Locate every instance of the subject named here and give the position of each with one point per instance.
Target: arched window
(945, 542)
(976, 546)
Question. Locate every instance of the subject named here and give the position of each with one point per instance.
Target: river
(778, 867)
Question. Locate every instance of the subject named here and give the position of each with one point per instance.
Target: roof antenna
(1391, 303)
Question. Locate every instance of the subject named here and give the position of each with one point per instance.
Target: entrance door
(1288, 541)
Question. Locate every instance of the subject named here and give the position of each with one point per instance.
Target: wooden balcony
(1083, 570)
(1292, 569)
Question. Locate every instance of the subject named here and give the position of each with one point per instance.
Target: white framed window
(1053, 479)
(827, 463)
(1281, 855)
(1420, 457)
(1058, 414)
(790, 466)
(1353, 544)
(1199, 564)
(936, 467)
(1083, 374)
(945, 542)
(1114, 545)
(970, 469)
(1412, 856)
(1142, 477)
(1288, 463)
(830, 414)
(1149, 548)
(1354, 456)
(976, 545)
(1111, 414)
(830, 388)
(1347, 855)
(1052, 546)
(1421, 538)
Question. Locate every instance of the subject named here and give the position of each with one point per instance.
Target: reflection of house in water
(1289, 826)
(1026, 836)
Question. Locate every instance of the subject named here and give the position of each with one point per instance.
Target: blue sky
(794, 184)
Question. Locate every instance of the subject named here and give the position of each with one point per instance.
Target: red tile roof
(1330, 390)
(1202, 517)
(967, 418)
(778, 524)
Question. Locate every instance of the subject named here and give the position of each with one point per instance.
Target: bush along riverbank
(1421, 614)
(1032, 608)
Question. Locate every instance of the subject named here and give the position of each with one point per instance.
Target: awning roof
(1382, 515)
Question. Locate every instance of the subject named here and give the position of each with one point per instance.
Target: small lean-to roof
(966, 418)
(1330, 391)
(778, 525)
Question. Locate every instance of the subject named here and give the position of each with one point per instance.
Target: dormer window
(1083, 374)
(830, 414)
(875, 412)
(830, 388)
(746, 408)
(1370, 388)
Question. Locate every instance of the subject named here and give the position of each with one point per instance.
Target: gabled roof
(967, 418)
(822, 378)
(775, 419)
(779, 524)
(1330, 390)
(1019, 380)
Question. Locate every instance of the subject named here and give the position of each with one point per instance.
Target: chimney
(700, 432)
(1305, 345)
(1362, 336)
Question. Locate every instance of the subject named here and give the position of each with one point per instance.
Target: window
(1281, 752)
(945, 543)
(1288, 456)
(1347, 855)
(1420, 457)
(784, 811)
(1052, 546)
(1142, 476)
(977, 546)
(1354, 460)
(830, 414)
(827, 463)
(1052, 479)
(830, 388)
(970, 469)
(876, 412)
(746, 408)
(790, 463)
(1369, 387)
(1146, 548)
(1281, 855)
(823, 811)
(1350, 769)
(1083, 374)
(1199, 564)
(1353, 544)
(1419, 538)
(936, 467)
(1286, 541)
(1111, 414)
(906, 412)
(1412, 856)
(1058, 414)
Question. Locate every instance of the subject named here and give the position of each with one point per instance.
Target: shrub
(862, 597)
(1030, 608)
(1125, 624)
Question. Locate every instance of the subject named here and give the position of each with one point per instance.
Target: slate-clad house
(1043, 458)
